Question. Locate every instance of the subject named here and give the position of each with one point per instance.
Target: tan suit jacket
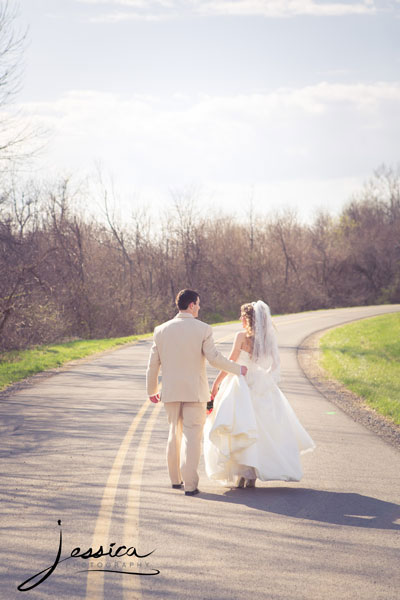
(181, 347)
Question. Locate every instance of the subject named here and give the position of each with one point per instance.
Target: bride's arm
(234, 355)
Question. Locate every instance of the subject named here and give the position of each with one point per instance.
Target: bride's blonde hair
(247, 311)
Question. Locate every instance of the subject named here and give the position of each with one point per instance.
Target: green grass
(365, 357)
(225, 323)
(19, 364)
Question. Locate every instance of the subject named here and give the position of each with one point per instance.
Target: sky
(293, 103)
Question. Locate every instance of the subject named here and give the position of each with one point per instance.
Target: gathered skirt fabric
(253, 431)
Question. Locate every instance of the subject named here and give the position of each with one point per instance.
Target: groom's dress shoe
(193, 492)
(177, 486)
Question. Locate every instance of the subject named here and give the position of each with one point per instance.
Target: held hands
(155, 399)
(243, 370)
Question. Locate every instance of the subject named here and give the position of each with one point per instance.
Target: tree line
(65, 275)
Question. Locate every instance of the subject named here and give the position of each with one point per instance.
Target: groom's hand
(243, 370)
(155, 399)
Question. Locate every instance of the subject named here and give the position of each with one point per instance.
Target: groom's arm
(215, 358)
(153, 369)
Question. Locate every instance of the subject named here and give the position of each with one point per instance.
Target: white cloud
(320, 132)
(159, 9)
(284, 8)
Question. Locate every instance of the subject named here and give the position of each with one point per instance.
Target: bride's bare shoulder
(240, 338)
(240, 335)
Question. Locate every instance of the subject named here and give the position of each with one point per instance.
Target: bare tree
(19, 139)
(188, 228)
(66, 274)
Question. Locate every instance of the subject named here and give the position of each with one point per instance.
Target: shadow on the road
(339, 508)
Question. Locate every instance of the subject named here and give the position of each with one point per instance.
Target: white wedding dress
(253, 431)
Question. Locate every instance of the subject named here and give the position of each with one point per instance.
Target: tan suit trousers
(186, 421)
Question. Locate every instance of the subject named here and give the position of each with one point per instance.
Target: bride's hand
(214, 390)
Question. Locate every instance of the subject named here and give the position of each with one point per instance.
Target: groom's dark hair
(184, 298)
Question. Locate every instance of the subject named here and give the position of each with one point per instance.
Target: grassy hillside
(365, 357)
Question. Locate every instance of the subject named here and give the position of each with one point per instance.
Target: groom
(180, 348)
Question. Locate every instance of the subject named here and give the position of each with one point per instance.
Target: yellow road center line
(132, 585)
(95, 580)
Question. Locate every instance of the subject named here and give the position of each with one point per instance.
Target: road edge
(31, 380)
(308, 355)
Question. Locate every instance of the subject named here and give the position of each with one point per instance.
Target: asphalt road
(86, 447)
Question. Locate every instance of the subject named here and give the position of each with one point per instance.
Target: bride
(253, 432)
